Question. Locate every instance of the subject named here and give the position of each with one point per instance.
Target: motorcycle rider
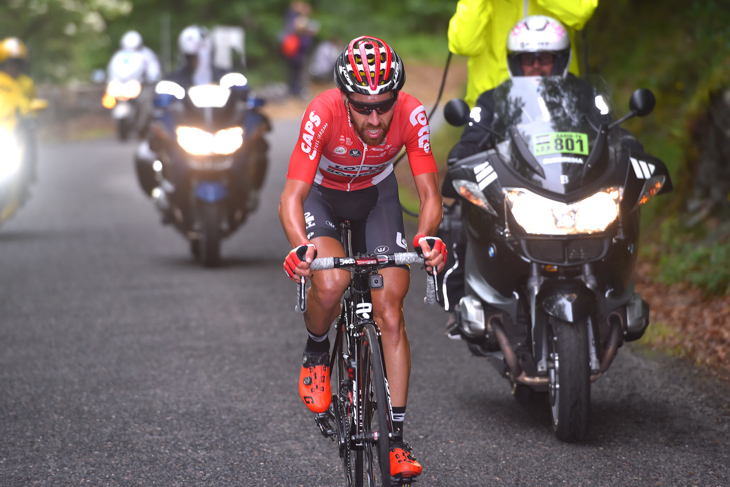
(14, 61)
(136, 61)
(341, 168)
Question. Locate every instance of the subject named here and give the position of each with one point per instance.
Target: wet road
(122, 362)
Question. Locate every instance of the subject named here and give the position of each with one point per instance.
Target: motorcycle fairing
(566, 300)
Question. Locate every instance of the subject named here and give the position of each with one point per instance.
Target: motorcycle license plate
(121, 110)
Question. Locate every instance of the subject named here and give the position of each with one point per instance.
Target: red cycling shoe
(402, 461)
(314, 382)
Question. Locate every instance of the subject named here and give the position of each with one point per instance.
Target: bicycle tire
(374, 409)
(344, 409)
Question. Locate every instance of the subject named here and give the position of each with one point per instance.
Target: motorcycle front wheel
(570, 379)
(210, 235)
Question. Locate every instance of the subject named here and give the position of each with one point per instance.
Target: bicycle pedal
(401, 481)
(323, 422)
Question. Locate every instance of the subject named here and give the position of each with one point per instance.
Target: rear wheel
(570, 381)
(376, 432)
(210, 235)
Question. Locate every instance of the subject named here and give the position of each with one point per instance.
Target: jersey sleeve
(314, 133)
(417, 137)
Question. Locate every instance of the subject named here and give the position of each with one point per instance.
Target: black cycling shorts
(375, 214)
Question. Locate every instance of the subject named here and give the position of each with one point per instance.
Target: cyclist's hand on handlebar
(433, 249)
(297, 261)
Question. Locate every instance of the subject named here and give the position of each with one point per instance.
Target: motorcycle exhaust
(614, 341)
(518, 375)
(510, 357)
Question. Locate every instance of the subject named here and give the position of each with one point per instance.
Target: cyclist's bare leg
(323, 300)
(388, 311)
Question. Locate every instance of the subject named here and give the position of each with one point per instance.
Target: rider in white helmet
(536, 46)
(134, 60)
(196, 50)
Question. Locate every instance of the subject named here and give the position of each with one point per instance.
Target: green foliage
(699, 256)
(59, 34)
(70, 38)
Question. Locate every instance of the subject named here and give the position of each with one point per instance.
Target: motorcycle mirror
(456, 112)
(98, 76)
(642, 102)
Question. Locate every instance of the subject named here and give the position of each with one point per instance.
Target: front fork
(578, 306)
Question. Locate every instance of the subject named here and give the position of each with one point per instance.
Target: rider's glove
(294, 258)
(434, 242)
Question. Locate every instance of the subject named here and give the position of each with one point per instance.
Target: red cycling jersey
(330, 153)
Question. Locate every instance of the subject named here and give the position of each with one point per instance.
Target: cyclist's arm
(291, 215)
(431, 208)
(291, 211)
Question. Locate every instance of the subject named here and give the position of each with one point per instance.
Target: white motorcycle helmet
(192, 40)
(131, 41)
(539, 33)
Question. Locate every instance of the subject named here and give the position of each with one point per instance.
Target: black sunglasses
(368, 108)
(543, 58)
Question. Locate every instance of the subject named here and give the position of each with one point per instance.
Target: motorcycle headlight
(123, 90)
(12, 156)
(543, 216)
(201, 143)
(131, 89)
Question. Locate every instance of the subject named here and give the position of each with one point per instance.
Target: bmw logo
(492, 251)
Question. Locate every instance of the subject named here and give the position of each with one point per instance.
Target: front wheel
(124, 129)
(210, 235)
(376, 432)
(570, 380)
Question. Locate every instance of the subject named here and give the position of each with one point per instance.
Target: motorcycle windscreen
(549, 128)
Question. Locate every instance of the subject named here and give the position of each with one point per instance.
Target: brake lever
(301, 306)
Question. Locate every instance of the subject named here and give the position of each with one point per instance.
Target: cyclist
(342, 168)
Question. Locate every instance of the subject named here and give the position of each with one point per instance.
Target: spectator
(297, 39)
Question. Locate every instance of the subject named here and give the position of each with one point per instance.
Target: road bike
(360, 417)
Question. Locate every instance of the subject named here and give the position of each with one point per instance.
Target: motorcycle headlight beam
(201, 143)
(542, 216)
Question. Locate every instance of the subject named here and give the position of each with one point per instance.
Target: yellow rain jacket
(12, 102)
(479, 30)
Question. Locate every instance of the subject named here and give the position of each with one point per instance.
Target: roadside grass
(698, 256)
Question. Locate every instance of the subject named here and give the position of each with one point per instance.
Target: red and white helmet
(369, 66)
(539, 33)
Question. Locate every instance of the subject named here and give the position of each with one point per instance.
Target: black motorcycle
(209, 140)
(550, 217)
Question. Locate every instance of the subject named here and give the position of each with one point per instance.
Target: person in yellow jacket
(479, 30)
(13, 59)
(11, 102)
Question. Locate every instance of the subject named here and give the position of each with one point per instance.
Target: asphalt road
(122, 362)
